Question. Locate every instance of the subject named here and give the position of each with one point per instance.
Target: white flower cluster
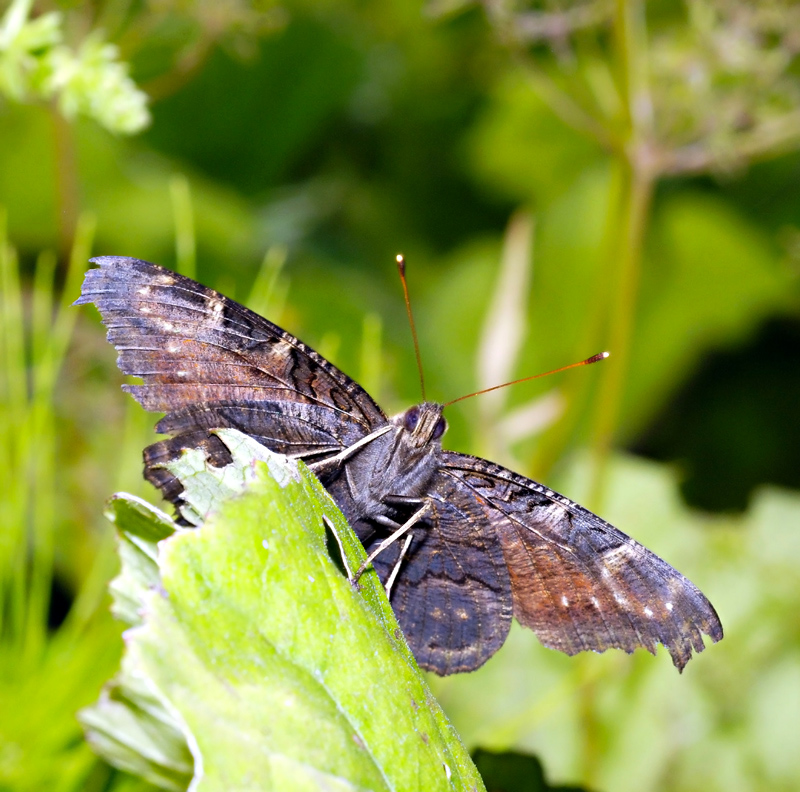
(36, 64)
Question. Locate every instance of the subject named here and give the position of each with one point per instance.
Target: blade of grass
(371, 357)
(15, 497)
(91, 597)
(185, 240)
(269, 292)
(39, 426)
(42, 305)
(504, 328)
(52, 319)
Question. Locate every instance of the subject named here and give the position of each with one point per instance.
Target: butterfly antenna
(401, 268)
(593, 359)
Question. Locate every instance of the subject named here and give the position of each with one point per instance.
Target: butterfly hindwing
(453, 596)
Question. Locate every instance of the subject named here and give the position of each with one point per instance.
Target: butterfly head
(424, 422)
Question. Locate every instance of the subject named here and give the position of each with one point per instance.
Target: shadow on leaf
(511, 771)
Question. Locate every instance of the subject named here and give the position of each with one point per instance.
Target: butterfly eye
(438, 430)
(411, 418)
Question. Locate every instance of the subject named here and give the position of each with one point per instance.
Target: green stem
(578, 392)
(634, 210)
(633, 206)
(638, 178)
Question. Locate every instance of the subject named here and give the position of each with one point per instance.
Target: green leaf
(256, 654)
(141, 528)
(520, 148)
(131, 727)
(712, 277)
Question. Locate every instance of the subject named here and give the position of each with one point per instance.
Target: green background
(562, 178)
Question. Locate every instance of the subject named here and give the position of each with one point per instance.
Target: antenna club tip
(401, 263)
(598, 357)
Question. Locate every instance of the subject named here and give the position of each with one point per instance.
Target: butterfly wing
(576, 581)
(208, 363)
(452, 596)
(493, 543)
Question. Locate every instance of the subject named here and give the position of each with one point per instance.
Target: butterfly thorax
(404, 463)
(389, 474)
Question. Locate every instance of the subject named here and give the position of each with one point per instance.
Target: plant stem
(578, 391)
(634, 209)
(638, 177)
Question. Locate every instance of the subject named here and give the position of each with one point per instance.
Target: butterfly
(473, 544)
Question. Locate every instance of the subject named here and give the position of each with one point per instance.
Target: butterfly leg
(406, 526)
(331, 463)
(396, 568)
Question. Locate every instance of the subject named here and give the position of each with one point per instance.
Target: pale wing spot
(145, 310)
(462, 614)
(616, 556)
(648, 612)
(173, 349)
(595, 603)
(181, 373)
(217, 308)
(280, 352)
(669, 606)
(168, 326)
(164, 280)
(145, 290)
(564, 601)
(553, 511)
(620, 599)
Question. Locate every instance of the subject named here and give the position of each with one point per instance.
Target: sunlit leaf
(257, 651)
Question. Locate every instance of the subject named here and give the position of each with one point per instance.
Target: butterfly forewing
(191, 346)
(208, 363)
(577, 581)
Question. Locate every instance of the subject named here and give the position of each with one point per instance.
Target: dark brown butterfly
(482, 544)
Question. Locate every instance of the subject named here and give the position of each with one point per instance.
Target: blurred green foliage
(649, 155)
